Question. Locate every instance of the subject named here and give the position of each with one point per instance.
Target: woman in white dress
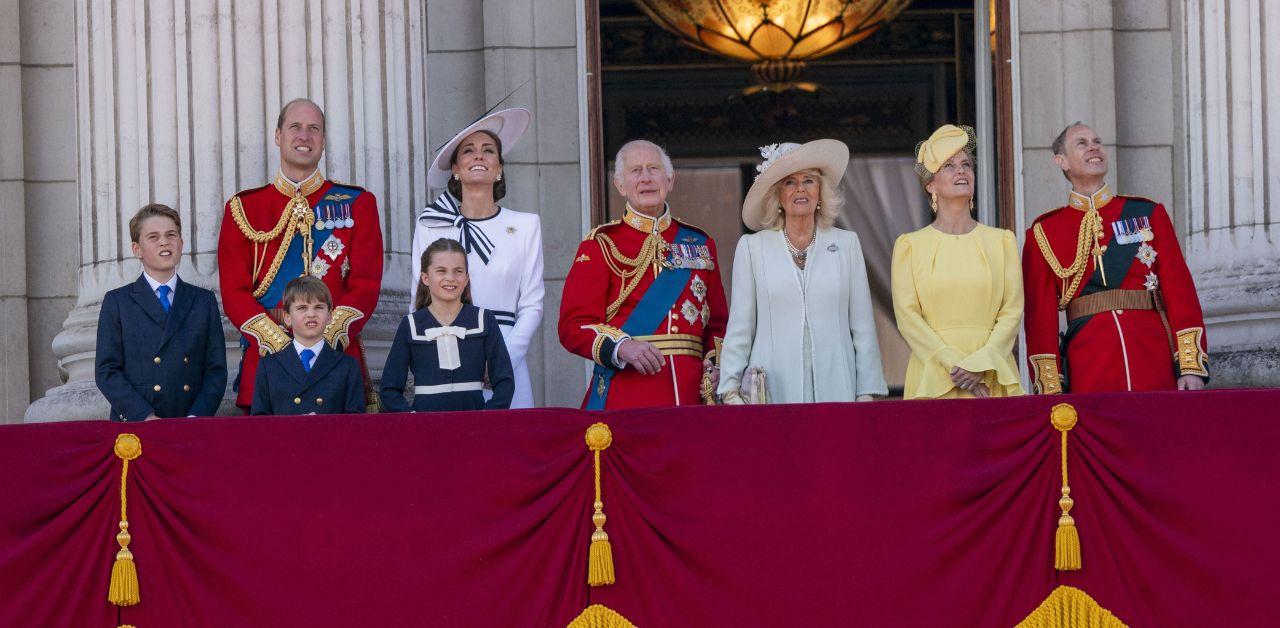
(801, 306)
(504, 246)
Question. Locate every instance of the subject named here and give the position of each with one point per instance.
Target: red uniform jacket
(591, 328)
(346, 255)
(1122, 349)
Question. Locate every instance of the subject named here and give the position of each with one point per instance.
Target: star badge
(699, 288)
(1147, 254)
(319, 268)
(1152, 282)
(511, 230)
(333, 247)
(689, 311)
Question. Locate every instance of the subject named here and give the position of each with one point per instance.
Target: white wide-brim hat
(830, 157)
(509, 125)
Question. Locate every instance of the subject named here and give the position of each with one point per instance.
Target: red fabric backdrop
(893, 513)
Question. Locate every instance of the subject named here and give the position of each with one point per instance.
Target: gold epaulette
(591, 235)
(337, 332)
(271, 338)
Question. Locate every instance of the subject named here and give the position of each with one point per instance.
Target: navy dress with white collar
(416, 350)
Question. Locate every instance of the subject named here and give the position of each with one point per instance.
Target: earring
(499, 177)
(779, 209)
(818, 207)
(456, 177)
(970, 204)
(933, 202)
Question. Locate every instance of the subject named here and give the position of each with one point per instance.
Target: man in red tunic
(643, 299)
(1114, 265)
(299, 224)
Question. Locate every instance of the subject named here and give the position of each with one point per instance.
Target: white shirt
(155, 285)
(316, 348)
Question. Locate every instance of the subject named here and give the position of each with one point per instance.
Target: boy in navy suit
(161, 352)
(309, 377)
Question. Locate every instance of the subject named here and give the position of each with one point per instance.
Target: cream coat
(768, 307)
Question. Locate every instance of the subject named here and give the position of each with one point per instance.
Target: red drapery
(935, 513)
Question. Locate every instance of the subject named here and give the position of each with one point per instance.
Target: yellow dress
(958, 301)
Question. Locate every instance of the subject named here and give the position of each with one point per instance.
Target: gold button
(185, 360)
(156, 388)
(675, 330)
(157, 360)
(1119, 311)
(297, 400)
(319, 401)
(186, 388)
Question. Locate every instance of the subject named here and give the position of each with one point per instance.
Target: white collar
(155, 285)
(316, 348)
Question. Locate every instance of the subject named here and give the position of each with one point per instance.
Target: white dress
(504, 260)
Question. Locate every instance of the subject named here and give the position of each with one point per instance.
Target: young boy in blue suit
(310, 377)
(160, 352)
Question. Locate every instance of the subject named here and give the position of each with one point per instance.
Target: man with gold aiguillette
(1114, 265)
(300, 224)
(643, 298)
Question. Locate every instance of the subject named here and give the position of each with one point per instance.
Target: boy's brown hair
(151, 211)
(306, 288)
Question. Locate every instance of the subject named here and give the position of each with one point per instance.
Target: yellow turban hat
(948, 140)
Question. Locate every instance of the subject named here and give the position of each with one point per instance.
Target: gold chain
(261, 237)
(649, 252)
(1090, 224)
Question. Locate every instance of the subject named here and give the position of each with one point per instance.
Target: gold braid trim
(650, 255)
(337, 331)
(297, 216)
(1191, 360)
(1045, 374)
(271, 338)
(1091, 224)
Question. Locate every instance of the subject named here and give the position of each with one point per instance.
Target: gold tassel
(1066, 543)
(600, 557)
(123, 590)
(1069, 607)
(600, 616)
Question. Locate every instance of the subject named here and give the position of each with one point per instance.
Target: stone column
(14, 372)
(1232, 74)
(176, 104)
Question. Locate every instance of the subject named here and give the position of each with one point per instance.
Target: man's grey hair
(1060, 142)
(617, 159)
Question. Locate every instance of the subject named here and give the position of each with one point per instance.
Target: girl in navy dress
(453, 348)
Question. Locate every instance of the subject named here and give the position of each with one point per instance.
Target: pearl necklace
(797, 253)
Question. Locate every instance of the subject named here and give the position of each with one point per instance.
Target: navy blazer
(334, 385)
(482, 349)
(151, 362)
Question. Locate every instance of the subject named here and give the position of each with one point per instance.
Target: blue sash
(648, 314)
(291, 266)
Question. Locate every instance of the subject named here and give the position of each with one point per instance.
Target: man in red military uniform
(299, 224)
(643, 299)
(1114, 265)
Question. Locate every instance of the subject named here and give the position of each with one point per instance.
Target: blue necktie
(163, 292)
(306, 355)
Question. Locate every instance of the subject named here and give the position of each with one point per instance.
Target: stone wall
(128, 103)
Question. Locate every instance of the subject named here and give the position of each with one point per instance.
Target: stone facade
(1192, 121)
(105, 106)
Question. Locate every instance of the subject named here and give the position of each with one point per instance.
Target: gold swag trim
(123, 590)
(1045, 374)
(337, 332)
(271, 338)
(600, 557)
(1191, 359)
(296, 217)
(1069, 607)
(1088, 243)
(1066, 543)
(600, 616)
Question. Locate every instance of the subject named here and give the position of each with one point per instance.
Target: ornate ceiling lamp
(777, 36)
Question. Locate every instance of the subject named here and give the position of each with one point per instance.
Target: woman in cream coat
(957, 284)
(801, 306)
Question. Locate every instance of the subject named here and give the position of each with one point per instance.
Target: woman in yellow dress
(957, 284)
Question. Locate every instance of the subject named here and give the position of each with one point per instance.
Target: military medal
(699, 288)
(319, 268)
(347, 221)
(689, 311)
(1152, 282)
(328, 222)
(333, 247)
